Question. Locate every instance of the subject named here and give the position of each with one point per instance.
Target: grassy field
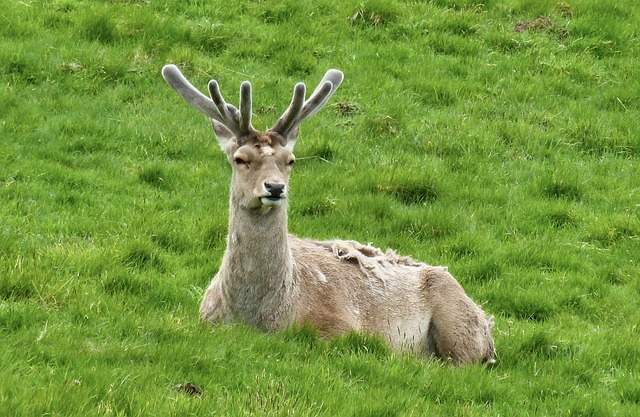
(501, 139)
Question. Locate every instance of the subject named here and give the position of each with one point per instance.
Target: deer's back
(347, 286)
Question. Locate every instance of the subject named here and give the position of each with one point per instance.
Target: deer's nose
(274, 190)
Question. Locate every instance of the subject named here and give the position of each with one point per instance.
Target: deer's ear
(226, 138)
(292, 137)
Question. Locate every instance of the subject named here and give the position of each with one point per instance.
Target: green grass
(512, 156)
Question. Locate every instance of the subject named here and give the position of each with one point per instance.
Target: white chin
(268, 202)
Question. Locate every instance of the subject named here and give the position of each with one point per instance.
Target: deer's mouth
(271, 201)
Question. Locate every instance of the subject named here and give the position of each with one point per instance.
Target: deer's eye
(239, 161)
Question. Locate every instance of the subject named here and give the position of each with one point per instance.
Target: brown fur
(271, 279)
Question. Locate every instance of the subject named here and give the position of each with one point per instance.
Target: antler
(300, 110)
(237, 121)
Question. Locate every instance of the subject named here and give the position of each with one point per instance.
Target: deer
(271, 279)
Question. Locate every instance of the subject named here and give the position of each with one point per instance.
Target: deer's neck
(257, 267)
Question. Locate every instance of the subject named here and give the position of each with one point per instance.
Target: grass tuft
(410, 191)
(561, 217)
(100, 28)
(322, 150)
(215, 236)
(304, 335)
(317, 207)
(358, 344)
(172, 241)
(560, 188)
(374, 13)
(156, 175)
(16, 288)
(141, 256)
(124, 283)
(523, 305)
(484, 270)
(384, 125)
(540, 345)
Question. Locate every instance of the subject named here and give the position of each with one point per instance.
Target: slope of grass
(500, 139)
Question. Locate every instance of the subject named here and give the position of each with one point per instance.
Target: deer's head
(261, 161)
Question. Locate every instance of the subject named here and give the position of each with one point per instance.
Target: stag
(272, 279)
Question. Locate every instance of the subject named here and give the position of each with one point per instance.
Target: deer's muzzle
(275, 192)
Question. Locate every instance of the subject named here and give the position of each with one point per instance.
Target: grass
(500, 139)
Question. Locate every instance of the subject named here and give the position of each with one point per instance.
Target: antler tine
(317, 100)
(286, 123)
(320, 96)
(291, 120)
(237, 121)
(230, 114)
(189, 93)
(245, 107)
